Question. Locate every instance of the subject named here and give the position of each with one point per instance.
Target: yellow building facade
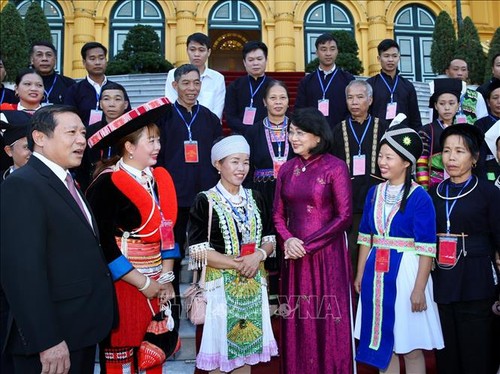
(289, 28)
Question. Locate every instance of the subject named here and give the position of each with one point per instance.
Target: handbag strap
(204, 269)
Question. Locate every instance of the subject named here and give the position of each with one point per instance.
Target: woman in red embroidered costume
(135, 208)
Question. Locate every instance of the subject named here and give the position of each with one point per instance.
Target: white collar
(20, 107)
(58, 170)
(328, 71)
(136, 173)
(229, 196)
(96, 85)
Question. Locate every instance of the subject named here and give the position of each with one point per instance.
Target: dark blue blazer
(53, 270)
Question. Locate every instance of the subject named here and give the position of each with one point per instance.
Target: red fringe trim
(142, 200)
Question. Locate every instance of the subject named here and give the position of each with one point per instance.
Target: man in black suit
(53, 271)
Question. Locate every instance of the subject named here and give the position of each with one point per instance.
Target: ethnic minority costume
(237, 329)
(313, 203)
(430, 168)
(129, 217)
(385, 322)
(270, 149)
(465, 291)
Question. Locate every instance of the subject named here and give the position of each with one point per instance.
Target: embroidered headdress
(129, 122)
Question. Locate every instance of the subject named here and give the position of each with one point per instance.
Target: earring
(131, 156)
(474, 165)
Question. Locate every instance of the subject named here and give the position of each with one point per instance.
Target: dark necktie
(72, 190)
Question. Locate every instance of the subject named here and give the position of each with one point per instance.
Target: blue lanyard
(274, 137)
(323, 89)
(461, 111)
(97, 97)
(450, 209)
(47, 93)
(389, 87)
(364, 133)
(252, 92)
(3, 96)
(244, 219)
(188, 125)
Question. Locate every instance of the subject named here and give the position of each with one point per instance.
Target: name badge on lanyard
(95, 116)
(277, 164)
(191, 151)
(382, 258)
(247, 249)
(447, 250)
(358, 165)
(460, 118)
(249, 116)
(250, 111)
(324, 107)
(392, 109)
(167, 234)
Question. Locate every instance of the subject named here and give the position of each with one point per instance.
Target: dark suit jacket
(53, 270)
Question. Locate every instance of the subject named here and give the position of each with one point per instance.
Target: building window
(413, 27)
(324, 16)
(128, 13)
(234, 15)
(55, 18)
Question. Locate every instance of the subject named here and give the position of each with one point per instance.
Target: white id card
(249, 116)
(324, 107)
(358, 165)
(391, 110)
(95, 116)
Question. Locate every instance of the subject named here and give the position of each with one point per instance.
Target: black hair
(184, 69)
(43, 120)
(457, 58)
(324, 38)
(24, 72)
(92, 45)
(44, 43)
(200, 38)
(472, 137)
(496, 142)
(272, 83)
(494, 58)
(311, 120)
(386, 44)
(116, 86)
(252, 46)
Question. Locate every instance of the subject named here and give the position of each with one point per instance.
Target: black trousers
(467, 332)
(82, 362)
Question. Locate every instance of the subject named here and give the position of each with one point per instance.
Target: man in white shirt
(213, 87)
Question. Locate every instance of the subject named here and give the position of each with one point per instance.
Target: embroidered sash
(378, 289)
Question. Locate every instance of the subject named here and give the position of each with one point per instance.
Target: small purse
(196, 301)
(194, 296)
(160, 341)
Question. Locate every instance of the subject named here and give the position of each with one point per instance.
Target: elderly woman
(312, 212)
(135, 208)
(397, 314)
(237, 330)
(468, 228)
